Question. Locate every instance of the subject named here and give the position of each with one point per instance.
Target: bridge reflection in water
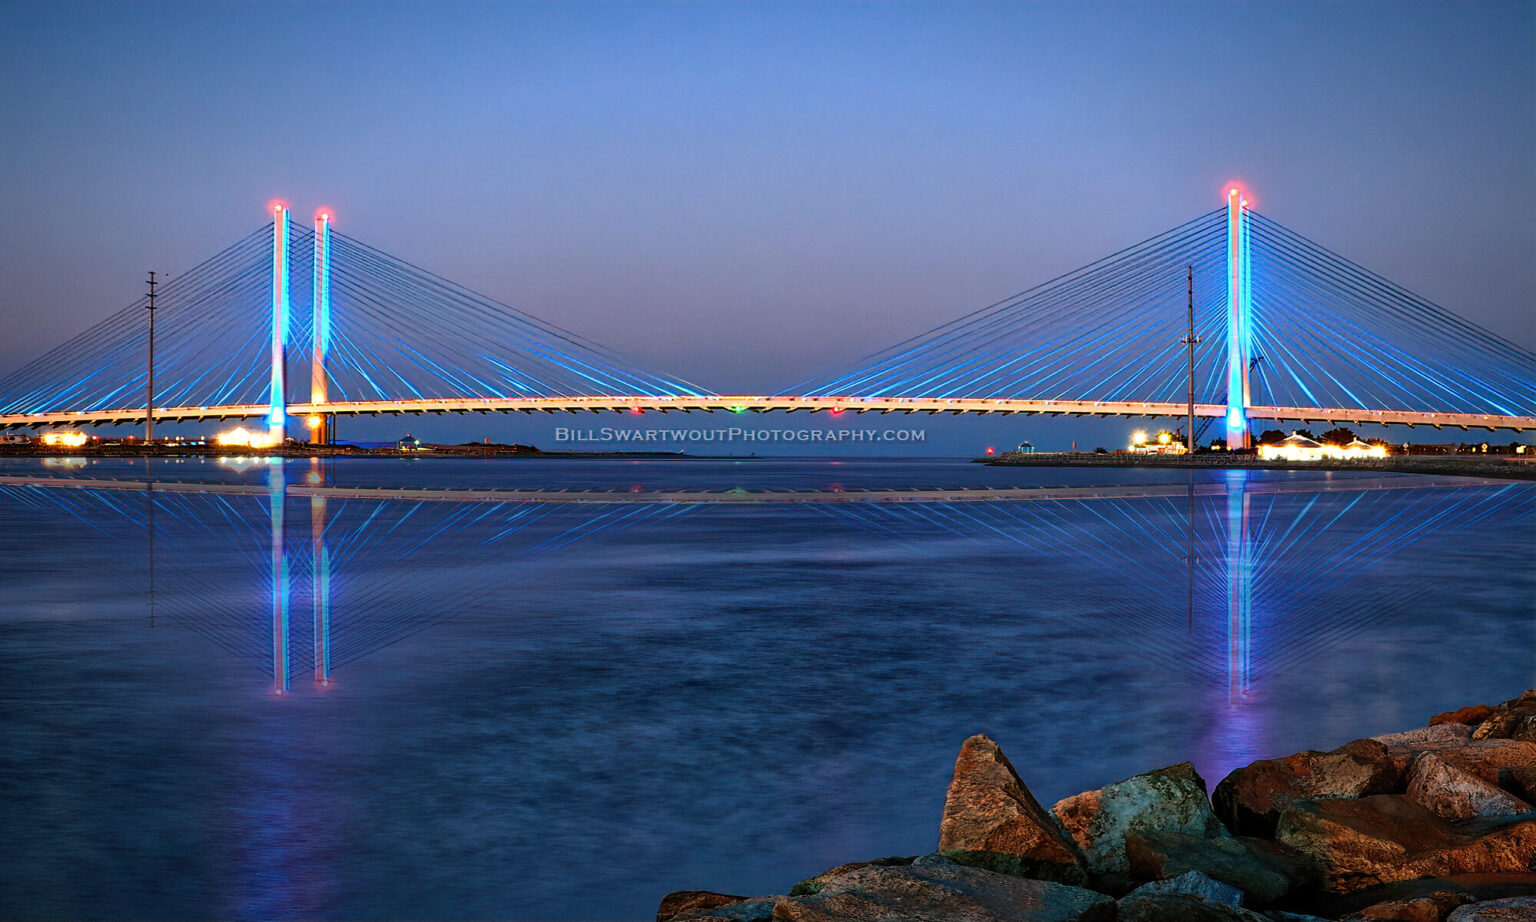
(1230, 580)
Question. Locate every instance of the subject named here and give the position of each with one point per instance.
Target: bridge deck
(760, 404)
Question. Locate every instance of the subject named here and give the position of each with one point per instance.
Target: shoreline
(1500, 467)
(501, 452)
(1504, 467)
(1428, 825)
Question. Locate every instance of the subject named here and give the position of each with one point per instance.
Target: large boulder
(1520, 780)
(1450, 793)
(1472, 714)
(937, 890)
(681, 901)
(1509, 725)
(1359, 843)
(1441, 736)
(1180, 908)
(815, 884)
(1512, 909)
(1251, 799)
(756, 909)
(1431, 907)
(1468, 888)
(1492, 759)
(992, 821)
(1169, 799)
(1513, 720)
(1266, 871)
(1192, 884)
(1403, 747)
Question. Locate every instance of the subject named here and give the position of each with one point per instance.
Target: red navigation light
(1244, 195)
(837, 411)
(989, 449)
(636, 410)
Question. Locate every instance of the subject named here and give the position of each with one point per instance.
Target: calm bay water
(377, 689)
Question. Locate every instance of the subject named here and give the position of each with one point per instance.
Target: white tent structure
(1296, 447)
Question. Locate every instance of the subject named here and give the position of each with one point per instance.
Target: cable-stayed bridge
(1287, 330)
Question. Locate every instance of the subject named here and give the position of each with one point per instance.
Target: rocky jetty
(1428, 825)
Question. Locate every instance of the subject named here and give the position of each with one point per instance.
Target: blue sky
(748, 195)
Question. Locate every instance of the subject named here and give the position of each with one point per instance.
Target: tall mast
(1191, 340)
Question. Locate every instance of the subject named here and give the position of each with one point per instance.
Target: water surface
(389, 689)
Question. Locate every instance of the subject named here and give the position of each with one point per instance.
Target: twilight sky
(747, 195)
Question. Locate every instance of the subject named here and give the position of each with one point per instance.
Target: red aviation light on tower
(277, 206)
(1238, 191)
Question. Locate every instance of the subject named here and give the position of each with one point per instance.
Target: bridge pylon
(277, 409)
(1239, 310)
(320, 426)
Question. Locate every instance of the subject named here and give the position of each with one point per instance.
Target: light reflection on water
(369, 689)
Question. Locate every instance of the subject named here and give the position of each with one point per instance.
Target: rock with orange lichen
(992, 821)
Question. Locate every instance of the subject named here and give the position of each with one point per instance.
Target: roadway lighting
(1138, 438)
(1164, 438)
(314, 422)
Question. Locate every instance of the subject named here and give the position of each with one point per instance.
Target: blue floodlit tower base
(1239, 328)
(319, 384)
(277, 411)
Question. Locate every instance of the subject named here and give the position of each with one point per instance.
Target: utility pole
(149, 398)
(1191, 340)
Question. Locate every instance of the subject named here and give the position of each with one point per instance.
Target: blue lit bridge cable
(400, 332)
(1334, 334)
(212, 331)
(1106, 331)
